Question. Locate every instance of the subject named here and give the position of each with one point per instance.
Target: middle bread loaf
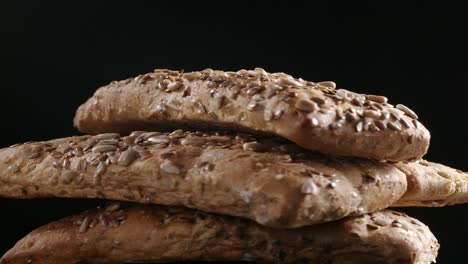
(268, 180)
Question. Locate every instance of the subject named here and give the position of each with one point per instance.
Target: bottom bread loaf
(130, 233)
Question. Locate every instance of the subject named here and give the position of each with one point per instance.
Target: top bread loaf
(316, 116)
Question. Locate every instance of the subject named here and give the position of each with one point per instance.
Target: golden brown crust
(432, 184)
(315, 116)
(142, 233)
(272, 182)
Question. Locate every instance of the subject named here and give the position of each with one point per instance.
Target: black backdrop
(53, 56)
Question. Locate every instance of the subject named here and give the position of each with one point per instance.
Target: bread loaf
(315, 116)
(433, 184)
(143, 233)
(270, 181)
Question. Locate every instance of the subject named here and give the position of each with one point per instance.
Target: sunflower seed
(66, 164)
(273, 86)
(84, 224)
(104, 220)
(127, 157)
(254, 146)
(104, 148)
(359, 126)
(267, 115)
(101, 168)
(305, 105)
(381, 125)
(394, 126)
(372, 227)
(327, 84)
(318, 100)
(251, 106)
(405, 123)
(174, 86)
(113, 207)
(415, 123)
(314, 122)
(334, 125)
(196, 141)
(395, 116)
(278, 113)
(309, 188)
(170, 167)
(109, 142)
(79, 178)
(14, 168)
(372, 113)
(34, 155)
(68, 176)
(253, 91)
(56, 154)
(93, 223)
(407, 111)
(385, 115)
(90, 144)
(377, 98)
(350, 117)
(219, 99)
(192, 75)
(107, 136)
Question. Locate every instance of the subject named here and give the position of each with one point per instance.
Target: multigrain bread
(144, 233)
(433, 184)
(315, 116)
(270, 181)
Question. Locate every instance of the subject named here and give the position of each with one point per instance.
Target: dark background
(53, 57)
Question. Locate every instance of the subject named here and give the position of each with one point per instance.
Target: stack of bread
(233, 166)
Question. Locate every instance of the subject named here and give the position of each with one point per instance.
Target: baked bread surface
(270, 181)
(143, 233)
(316, 116)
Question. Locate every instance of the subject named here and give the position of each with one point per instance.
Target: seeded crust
(432, 184)
(315, 116)
(144, 233)
(272, 182)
